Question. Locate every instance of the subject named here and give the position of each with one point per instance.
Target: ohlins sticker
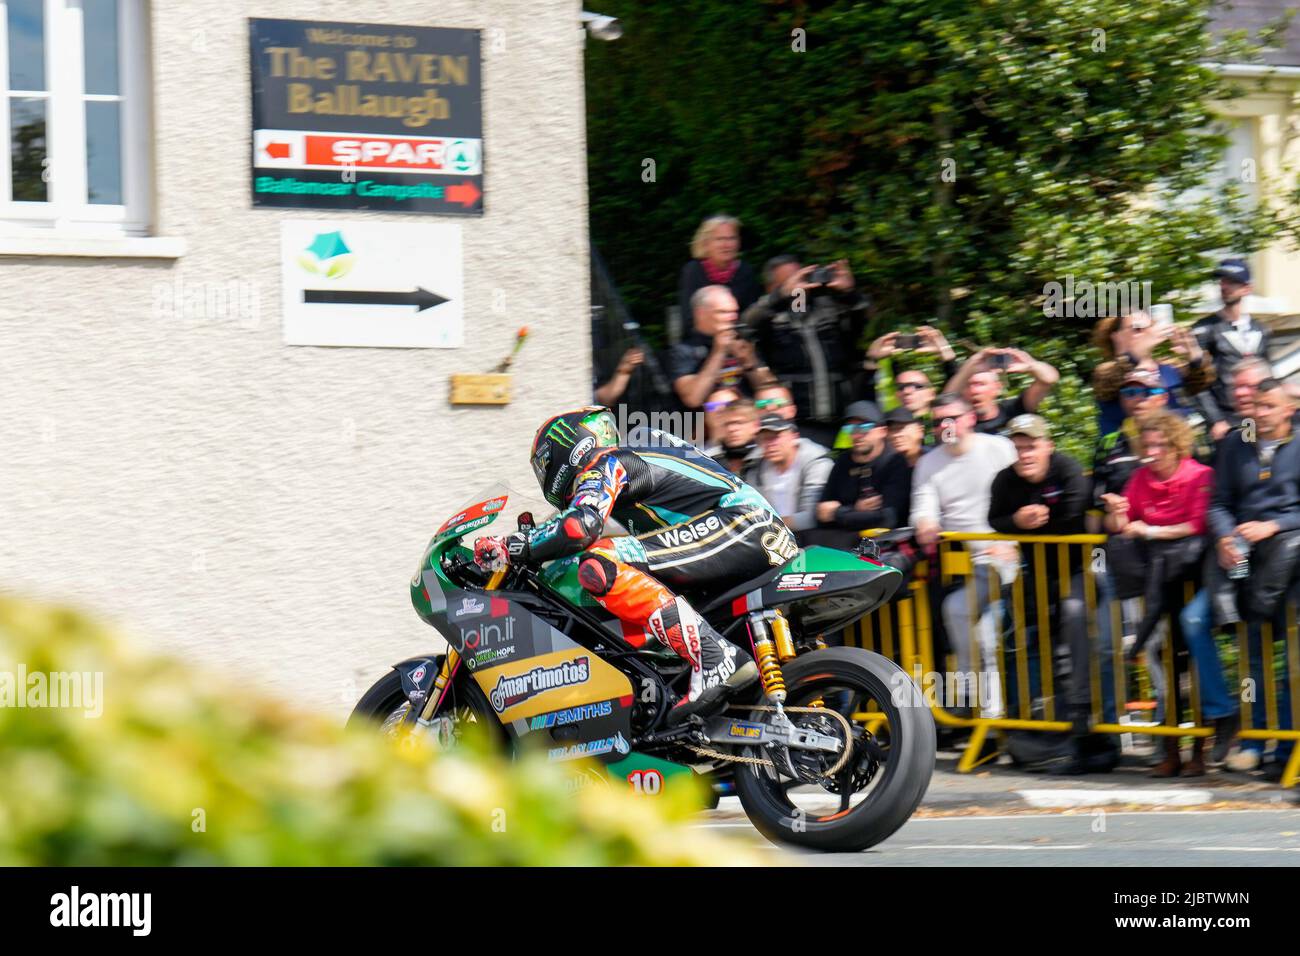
(688, 533)
(590, 748)
(744, 730)
(511, 691)
(573, 715)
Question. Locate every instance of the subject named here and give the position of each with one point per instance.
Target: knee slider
(596, 574)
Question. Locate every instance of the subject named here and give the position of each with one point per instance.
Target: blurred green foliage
(1078, 134)
(183, 769)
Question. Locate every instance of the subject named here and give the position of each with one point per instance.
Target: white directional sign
(394, 285)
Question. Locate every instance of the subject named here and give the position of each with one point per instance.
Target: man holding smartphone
(980, 382)
(1229, 335)
(807, 326)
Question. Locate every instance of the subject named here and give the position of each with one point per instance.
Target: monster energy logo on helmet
(562, 432)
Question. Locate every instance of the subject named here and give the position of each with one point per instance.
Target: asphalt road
(1229, 838)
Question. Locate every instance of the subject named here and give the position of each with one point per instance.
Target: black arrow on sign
(421, 298)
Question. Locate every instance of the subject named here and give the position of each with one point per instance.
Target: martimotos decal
(510, 691)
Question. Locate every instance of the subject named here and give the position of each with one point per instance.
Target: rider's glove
(494, 553)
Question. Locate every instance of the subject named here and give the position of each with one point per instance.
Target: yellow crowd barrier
(903, 631)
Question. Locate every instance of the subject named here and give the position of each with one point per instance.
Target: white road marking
(1249, 849)
(1000, 846)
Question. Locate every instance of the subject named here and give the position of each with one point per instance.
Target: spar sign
(365, 116)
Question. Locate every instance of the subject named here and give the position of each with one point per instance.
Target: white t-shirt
(954, 490)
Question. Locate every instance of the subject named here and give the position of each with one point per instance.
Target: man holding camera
(713, 355)
(980, 382)
(1229, 336)
(807, 326)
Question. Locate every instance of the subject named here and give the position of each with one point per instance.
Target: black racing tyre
(385, 703)
(896, 762)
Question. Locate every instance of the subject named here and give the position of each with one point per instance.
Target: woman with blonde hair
(1127, 342)
(1164, 505)
(715, 260)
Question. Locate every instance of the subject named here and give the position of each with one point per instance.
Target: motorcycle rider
(691, 522)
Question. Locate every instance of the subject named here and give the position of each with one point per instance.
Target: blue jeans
(1198, 633)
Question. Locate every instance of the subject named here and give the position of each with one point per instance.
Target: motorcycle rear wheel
(896, 777)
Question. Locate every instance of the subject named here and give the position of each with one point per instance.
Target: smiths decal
(511, 691)
(366, 116)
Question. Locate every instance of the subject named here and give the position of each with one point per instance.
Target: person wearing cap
(791, 473)
(906, 434)
(1046, 492)
(1229, 335)
(1118, 455)
(980, 382)
(1129, 342)
(870, 486)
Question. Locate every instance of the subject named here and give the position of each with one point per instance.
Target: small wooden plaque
(480, 389)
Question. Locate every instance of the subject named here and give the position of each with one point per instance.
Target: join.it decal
(511, 691)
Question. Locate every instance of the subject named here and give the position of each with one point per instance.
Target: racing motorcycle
(832, 749)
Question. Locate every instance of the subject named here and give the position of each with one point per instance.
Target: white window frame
(67, 212)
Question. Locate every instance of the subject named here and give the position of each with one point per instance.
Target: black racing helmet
(566, 444)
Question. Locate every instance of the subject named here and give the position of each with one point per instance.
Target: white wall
(258, 506)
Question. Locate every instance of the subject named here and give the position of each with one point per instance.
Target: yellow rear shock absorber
(781, 636)
(769, 667)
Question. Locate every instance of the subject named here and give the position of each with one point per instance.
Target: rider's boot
(719, 669)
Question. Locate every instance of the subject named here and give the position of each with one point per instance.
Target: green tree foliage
(960, 153)
(179, 768)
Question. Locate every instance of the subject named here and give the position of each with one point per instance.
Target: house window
(73, 115)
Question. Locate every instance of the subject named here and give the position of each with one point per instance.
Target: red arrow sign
(465, 193)
(277, 150)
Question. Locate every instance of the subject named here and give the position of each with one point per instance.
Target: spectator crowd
(1195, 478)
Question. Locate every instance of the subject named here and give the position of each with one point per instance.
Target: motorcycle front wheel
(385, 706)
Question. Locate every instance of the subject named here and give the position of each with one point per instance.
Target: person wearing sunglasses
(870, 485)
(715, 407)
(1128, 342)
(1118, 454)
